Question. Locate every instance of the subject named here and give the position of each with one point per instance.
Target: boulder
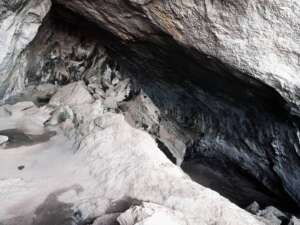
(253, 208)
(72, 94)
(151, 214)
(109, 219)
(273, 215)
(3, 139)
(294, 221)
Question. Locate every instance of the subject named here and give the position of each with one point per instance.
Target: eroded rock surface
(106, 88)
(259, 38)
(19, 23)
(148, 213)
(271, 215)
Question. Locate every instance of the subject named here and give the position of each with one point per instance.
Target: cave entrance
(227, 122)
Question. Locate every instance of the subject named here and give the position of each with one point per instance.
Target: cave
(200, 99)
(227, 130)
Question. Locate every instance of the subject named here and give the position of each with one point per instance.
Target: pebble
(3, 139)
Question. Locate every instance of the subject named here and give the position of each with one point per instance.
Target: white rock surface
(151, 214)
(72, 94)
(114, 160)
(3, 139)
(294, 221)
(272, 214)
(25, 117)
(19, 23)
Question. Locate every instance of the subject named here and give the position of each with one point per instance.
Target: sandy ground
(35, 171)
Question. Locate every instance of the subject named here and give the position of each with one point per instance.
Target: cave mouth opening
(201, 98)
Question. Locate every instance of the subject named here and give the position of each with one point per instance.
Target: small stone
(60, 115)
(115, 81)
(107, 219)
(253, 208)
(21, 167)
(272, 214)
(3, 139)
(294, 221)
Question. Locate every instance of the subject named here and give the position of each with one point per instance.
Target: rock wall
(19, 23)
(259, 38)
(212, 82)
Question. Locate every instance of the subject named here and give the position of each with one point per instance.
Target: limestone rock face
(19, 23)
(108, 105)
(258, 38)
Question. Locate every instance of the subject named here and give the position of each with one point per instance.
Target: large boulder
(72, 94)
